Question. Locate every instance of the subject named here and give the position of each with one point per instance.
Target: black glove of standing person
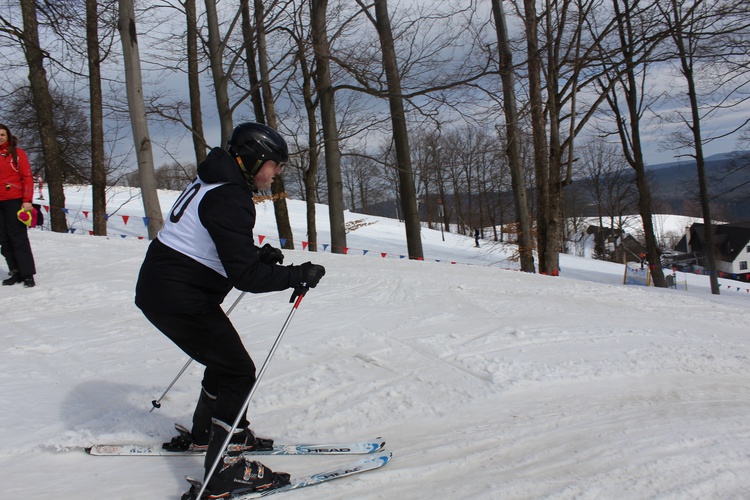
(310, 274)
(270, 255)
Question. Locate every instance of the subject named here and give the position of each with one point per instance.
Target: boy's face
(264, 178)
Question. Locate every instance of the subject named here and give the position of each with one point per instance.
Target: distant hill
(683, 163)
(674, 189)
(675, 186)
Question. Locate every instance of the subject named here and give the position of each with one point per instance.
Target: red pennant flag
(383, 254)
(304, 245)
(125, 219)
(260, 239)
(85, 214)
(346, 250)
(91, 233)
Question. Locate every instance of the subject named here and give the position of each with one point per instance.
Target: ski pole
(156, 403)
(299, 292)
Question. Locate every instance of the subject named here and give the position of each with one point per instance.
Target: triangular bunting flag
(346, 250)
(85, 214)
(364, 252)
(260, 239)
(125, 219)
(304, 245)
(325, 247)
(383, 254)
(283, 242)
(145, 221)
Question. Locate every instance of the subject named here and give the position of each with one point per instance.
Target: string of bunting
(282, 243)
(722, 274)
(261, 238)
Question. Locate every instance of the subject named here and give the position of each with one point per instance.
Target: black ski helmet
(255, 143)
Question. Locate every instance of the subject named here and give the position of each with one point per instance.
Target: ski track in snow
(487, 383)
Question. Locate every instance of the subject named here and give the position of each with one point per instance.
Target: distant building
(615, 245)
(731, 244)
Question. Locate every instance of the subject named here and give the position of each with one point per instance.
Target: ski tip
(381, 458)
(382, 443)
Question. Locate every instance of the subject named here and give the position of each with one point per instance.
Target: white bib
(184, 232)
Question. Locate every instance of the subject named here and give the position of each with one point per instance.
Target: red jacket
(16, 180)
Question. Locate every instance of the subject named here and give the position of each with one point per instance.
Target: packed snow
(486, 382)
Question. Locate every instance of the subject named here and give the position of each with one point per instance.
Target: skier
(16, 193)
(204, 249)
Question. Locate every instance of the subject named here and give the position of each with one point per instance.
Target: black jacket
(172, 282)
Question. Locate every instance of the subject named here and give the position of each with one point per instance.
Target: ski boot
(184, 441)
(237, 476)
(235, 473)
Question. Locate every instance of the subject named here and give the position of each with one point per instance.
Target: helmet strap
(249, 176)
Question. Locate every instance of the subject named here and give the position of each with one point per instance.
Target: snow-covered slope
(486, 382)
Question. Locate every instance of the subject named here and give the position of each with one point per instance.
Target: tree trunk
(194, 89)
(281, 211)
(98, 172)
(215, 54)
(679, 34)
(248, 34)
(631, 138)
(513, 150)
(321, 49)
(137, 107)
(43, 105)
(400, 133)
(539, 135)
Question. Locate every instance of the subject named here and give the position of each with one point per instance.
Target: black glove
(310, 274)
(270, 255)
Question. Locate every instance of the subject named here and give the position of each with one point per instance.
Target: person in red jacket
(16, 193)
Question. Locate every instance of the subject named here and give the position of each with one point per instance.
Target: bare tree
(43, 105)
(400, 130)
(624, 76)
(608, 180)
(136, 106)
(194, 90)
(559, 69)
(216, 49)
(281, 211)
(513, 148)
(98, 167)
(322, 50)
(699, 30)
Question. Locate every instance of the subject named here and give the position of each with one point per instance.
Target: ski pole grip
(155, 404)
(299, 291)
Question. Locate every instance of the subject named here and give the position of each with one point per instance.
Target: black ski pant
(210, 339)
(14, 239)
